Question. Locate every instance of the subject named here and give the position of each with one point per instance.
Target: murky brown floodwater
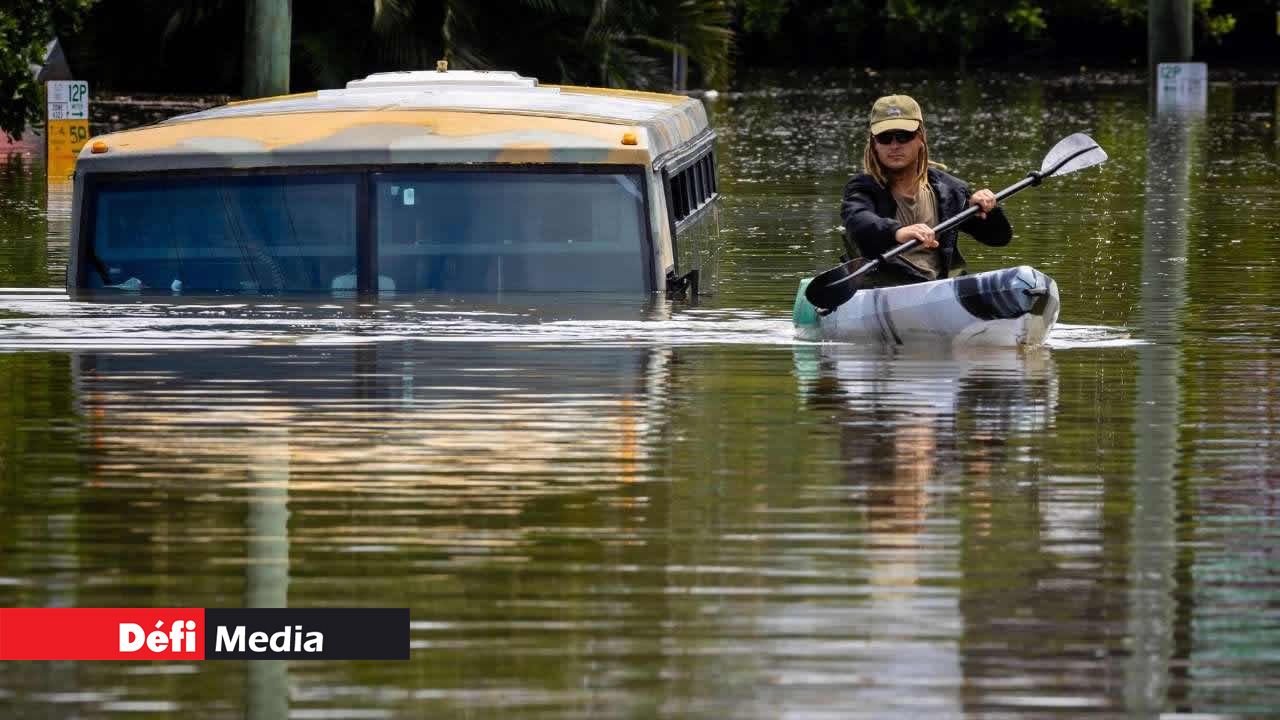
(651, 510)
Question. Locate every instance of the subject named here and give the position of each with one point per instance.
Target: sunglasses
(902, 136)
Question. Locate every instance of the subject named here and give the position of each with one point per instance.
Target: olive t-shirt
(923, 208)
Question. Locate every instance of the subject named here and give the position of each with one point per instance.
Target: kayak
(1003, 308)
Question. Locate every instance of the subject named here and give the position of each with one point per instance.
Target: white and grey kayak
(1007, 308)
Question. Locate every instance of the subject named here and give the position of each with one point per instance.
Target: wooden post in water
(1169, 25)
(268, 33)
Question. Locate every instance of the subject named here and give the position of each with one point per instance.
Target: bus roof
(453, 116)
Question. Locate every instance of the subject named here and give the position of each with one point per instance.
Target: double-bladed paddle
(834, 287)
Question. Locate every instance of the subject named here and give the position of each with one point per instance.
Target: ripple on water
(56, 323)
(1066, 337)
(62, 324)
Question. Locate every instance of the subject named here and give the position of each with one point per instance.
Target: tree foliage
(26, 27)
(169, 44)
(944, 32)
(604, 42)
(195, 45)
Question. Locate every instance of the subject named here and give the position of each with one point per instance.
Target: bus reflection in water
(442, 424)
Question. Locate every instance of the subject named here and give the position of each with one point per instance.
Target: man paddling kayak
(901, 197)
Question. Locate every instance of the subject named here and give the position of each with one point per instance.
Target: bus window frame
(670, 171)
(366, 212)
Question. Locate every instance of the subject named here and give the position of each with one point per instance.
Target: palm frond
(389, 14)
(699, 28)
(555, 6)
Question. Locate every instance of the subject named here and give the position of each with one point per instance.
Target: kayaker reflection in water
(900, 197)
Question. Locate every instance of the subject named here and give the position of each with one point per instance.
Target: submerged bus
(455, 181)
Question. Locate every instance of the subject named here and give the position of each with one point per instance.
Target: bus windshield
(510, 231)
(222, 234)
(456, 230)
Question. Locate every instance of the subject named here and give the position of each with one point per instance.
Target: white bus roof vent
(452, 79)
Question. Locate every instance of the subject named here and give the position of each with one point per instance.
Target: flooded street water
(641, 508)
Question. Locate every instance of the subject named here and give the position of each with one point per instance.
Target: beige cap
(895, 112)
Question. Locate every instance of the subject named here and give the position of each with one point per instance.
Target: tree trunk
(268, 34)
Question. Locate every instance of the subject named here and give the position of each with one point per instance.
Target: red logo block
(101, 633)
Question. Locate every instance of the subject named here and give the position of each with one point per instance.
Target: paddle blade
(1079, 151)
(833, 288)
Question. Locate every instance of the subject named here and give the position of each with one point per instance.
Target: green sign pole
(1169, 26)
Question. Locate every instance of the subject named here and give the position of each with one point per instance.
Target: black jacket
(869, 213)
